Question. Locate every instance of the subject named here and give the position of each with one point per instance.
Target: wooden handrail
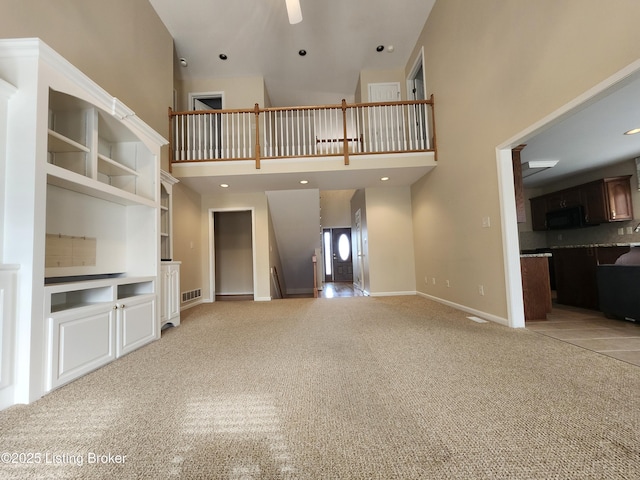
(306, 107)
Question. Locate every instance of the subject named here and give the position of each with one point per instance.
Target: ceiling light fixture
(302, 52)
(224, 185)
(380, 48)
(294, 11)
(632, 131)
(304, 182)
(183, 62)
(222, 56)
(384, 179)
(536, 166)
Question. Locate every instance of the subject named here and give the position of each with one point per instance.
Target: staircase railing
(314, 131)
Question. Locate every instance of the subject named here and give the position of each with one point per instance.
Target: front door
(341, 251)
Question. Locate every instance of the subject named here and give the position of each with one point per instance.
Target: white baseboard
(391, 294)
(486, 316)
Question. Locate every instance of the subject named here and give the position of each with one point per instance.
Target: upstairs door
(383, 119)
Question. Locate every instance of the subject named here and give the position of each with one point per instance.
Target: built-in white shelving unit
(170, 269)
(82, 222)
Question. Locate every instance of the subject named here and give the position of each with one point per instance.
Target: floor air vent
(188, 296)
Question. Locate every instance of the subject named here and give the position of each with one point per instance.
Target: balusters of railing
(268, 140)
(302, 131)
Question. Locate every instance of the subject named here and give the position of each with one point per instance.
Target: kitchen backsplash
(599, 234)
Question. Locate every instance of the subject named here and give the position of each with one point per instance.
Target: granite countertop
(591, 245)
(533, 255)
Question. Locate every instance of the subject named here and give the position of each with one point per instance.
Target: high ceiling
(340, 39)
(339, 36)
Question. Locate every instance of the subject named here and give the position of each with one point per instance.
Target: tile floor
(592, 330)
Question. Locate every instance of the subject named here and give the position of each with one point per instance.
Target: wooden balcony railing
(329, 130)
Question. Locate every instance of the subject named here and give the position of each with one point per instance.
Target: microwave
(565, 218)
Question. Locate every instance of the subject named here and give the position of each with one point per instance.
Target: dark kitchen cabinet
(563, 199)
(575, 273)
(539, 213)
(605, 200)
(608, 200)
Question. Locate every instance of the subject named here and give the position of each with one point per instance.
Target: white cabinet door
(136, 322)
(7, 337)
(170, 294)
(79, 341)
(174, 295)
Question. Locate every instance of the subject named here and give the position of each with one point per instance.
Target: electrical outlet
(621, 231)
(481, 289)
(448, 283)
(486, 222)
(433, 280)
(629, 230)
(426, 280)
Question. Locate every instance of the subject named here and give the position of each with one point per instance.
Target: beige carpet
(354, 388)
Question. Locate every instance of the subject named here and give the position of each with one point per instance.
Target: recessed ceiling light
(304, 182)
(224, 185)
(183, 62)
(390, 48)
(222, 56)
(302, 52)
(384, 179)
(632, 131)
(380, 48)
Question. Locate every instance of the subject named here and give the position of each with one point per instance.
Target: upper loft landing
(330, 147)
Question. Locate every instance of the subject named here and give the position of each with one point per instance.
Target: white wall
(296, 222)
(387, 239)
(335, 208)
(390, 232)
(496, 68)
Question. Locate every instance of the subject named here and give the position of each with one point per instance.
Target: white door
(383, 125)
(384, 92)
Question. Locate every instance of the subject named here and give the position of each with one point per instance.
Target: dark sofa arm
(619, 291)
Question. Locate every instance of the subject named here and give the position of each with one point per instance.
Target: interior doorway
(210, 131)
(416, 90)
(206, 101)
(232, 258)
(508, 213)
(337, 255)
